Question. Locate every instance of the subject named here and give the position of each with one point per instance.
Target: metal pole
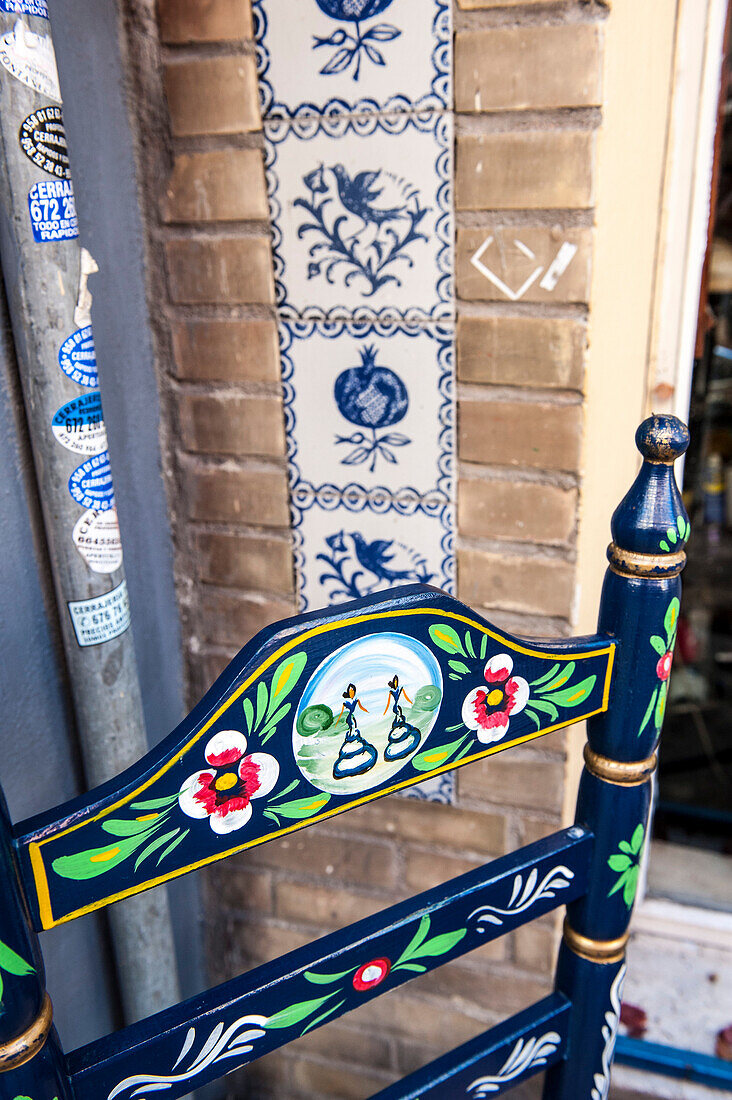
(46, 271)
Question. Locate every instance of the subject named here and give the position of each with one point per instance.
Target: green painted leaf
(457, 726)
(421, 934)
(636, 841)
(12, 963)
(302, 808)
(327, 979)
(575, 695)
(2, 986)
(631, 885)
(439, 945)
(547, 676)
(117, 827)
(681, 524)
(672, 536)
(459, 666)
(284, 678)
(565, 674)
(173, 844)
(658, 644)
(447, 639)
(153, 846)
(671, 618)
(462, 753)
(619, 862)
(262, 698)
(624, 846)
(271, 726)
(649, 711)
(664, 546)
(533, 717)
(272, 817)
(155, 803)
(454, 676)
(545, 707)
(660, 706)
(483, 646)
(248, 714)
(296, 1013)
(435, 757)
(469, 644)
(95, 861)
(323, 1016)
(288, 788)
(618, 885)
(416, 967)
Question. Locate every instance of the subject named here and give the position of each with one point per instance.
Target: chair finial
(651, 519)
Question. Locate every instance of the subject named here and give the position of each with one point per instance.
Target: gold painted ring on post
(617, 771)
(25, 1046)
(630, 563)
(597, 951)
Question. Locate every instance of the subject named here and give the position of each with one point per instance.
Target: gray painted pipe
(45, 272)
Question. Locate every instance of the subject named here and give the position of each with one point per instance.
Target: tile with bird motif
(362, 221)
(330, 57)
(370, 407)
(348, 547)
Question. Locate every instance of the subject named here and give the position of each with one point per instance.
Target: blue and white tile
(326, 57)
(370, 407)
(352, 547)
(362, 218)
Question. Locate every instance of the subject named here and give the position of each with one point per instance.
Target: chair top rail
(209, 1035)
(318, 714)
(495, 1061)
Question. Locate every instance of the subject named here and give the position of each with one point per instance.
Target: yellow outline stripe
(34, 847)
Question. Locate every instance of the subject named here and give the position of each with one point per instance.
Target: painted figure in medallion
(356, 755)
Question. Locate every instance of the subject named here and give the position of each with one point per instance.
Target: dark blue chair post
(31, 1062)
(639, 607)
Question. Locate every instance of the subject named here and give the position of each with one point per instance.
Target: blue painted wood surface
(266, 751)
(273, 1004)
(494, 1062)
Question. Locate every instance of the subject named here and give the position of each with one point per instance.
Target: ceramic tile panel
(362, 216)
(370, 408)
(328, 57)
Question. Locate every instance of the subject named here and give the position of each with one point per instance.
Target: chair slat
(495, 1061)
(241, 1020)
(267, 752)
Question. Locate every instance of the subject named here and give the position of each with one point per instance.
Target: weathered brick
(508, 68)
(323, 1079)
(324, 906)
(347, 860)
(536, 828)
(213, 95)
(265, 1077)
(217, 186)
(541, 586)
(514, 779)
(245, 561)
(535, 947)
(224, 495)
(216, 423)
(256, 941)
(524, 263)
(531, 170)
(226, 351)
(522, 511)
(520, 433)
(472, 5)
(227, 618)
(432, 823)
(426, 1021)
(204, 20)
(499, 990)
(428, 869)
(227, 270)
(245, 890)
(521, 351)
(204, 668)
(353, 1045)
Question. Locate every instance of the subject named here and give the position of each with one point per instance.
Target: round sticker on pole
(91, 483)
(77, 357)
(79, 425)
(43, 140)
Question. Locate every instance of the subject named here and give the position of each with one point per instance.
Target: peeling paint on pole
(46, 273)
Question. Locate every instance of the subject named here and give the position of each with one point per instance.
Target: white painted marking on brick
(558, 266)
(514, 295)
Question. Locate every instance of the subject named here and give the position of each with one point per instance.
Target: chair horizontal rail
(495, 1061)
(423, 685)
(209, 1035)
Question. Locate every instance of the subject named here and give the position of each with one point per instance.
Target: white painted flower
(223, 792)
(487, 709)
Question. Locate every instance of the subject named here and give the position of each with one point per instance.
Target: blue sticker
(91, 483)
(26, 7)
(53, 211)
(79, 425)
(77, 357)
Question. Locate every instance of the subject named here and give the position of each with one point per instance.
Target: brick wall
(528, 96)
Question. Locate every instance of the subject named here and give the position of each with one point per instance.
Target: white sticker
(96, 536)
(79, 425)
(102, 618)
(30, 58)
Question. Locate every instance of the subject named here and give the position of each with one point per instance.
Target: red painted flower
(663, 668)
(371, 974)
(488, 708)
(223, 793)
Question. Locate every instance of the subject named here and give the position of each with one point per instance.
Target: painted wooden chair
(293, 733)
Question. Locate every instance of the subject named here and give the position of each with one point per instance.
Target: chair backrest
(293, 733)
